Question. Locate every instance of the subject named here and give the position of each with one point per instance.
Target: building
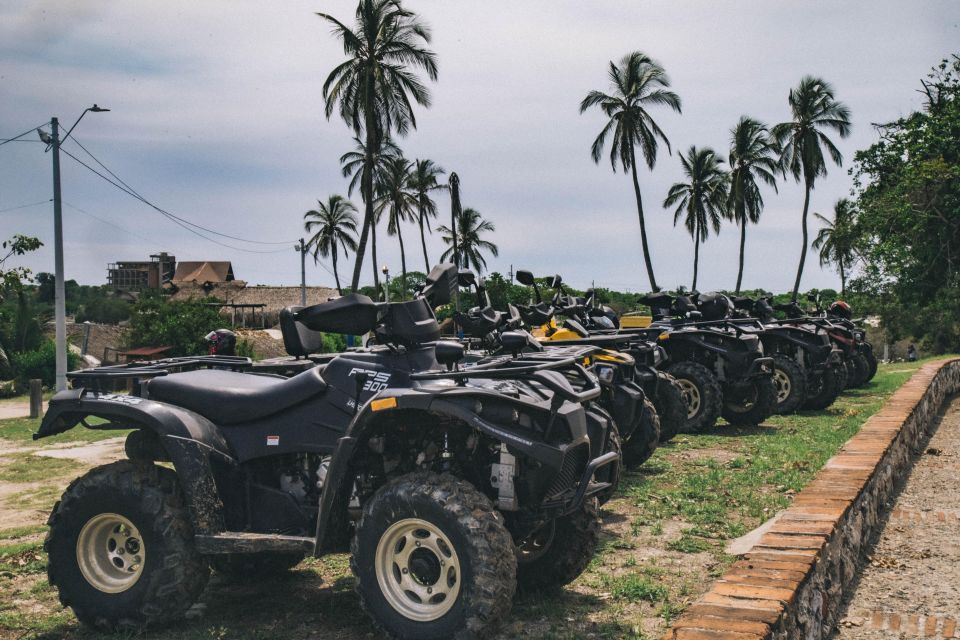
(140, 275)
(214, 272)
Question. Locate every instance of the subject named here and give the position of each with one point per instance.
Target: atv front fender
(189, 439)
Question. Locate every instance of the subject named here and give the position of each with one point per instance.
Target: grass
(25, 467)
(663, 541)
(21, 430)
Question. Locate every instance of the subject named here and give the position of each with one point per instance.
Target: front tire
(433, 559)
(790, 383)
(750, 402)
(121, 550)
(871, 359)
(611, 472)
(823, 390)
(556, 554)
(670, 405)
(644, 440)
(701, 393)
(857, 371)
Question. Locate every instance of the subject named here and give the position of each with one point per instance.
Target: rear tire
(422, 535)
(790, 383)
(750, 402)
(823, 390)
(121, 550)
(644, 440)
(871, 359)
(701, 393)
(248, 567)
(857, 370)
(562, 552)
(670, 405)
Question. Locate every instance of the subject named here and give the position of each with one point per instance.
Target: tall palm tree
(701, 200)
(372, 89)
(637, 84)
(470, 244)
(423, 181)
(456, 210)
(396, 199)
(802, 141)
(836, 241)
(752, 159)
(353, 165)
(336, 224)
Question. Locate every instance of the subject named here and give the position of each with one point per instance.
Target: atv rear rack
(105, 378)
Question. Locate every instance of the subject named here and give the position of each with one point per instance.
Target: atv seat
(228, 397)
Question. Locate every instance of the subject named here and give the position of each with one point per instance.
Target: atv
(447, 485)
(720, 365)
(584, 321)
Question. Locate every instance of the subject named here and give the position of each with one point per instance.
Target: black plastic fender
(189, 439)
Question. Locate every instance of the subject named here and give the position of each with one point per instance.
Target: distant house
(137, 275)
(214, 272)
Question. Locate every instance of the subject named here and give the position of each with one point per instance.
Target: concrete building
(140, 275)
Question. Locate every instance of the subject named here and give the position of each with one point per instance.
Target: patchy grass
(26, 467)
(663, 541)
(21, 430)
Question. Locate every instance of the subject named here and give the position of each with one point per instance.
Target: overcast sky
(217, 116)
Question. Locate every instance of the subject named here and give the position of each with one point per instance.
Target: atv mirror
(466, 278)
(525, 277)
(517, 341)
(556, 281)
(440, 284)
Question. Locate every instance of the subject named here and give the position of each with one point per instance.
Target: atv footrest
(243, 542)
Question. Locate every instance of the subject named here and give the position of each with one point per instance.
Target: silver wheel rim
(417, 569)
(110, 553)
(691, 394)
(782, 380)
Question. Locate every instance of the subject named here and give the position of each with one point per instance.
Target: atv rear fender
(189, 440)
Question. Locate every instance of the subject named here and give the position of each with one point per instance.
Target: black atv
(447, 485)
(571, 321)
(720, 365)
(637, 431)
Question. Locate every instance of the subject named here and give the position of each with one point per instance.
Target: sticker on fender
(273, 441)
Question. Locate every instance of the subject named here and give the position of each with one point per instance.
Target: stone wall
(792, 582)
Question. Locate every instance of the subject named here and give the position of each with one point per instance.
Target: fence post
(36, 398)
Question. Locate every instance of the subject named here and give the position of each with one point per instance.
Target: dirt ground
(911, 585)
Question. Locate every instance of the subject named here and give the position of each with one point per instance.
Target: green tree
(181, 325)
(836, 240)
(701, 201)
(638, 83)
(396, 199)
(470, 245)
(373, 90)
(802, 141)
(332, 223)
(353, 165)
(424, 180)
(752, 160)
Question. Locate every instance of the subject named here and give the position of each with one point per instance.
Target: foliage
(908, 216)
(11, 278)
(40, 363)
(638, 83)
(424, 179)
(332, 223)
(837, 239)
(181, 325)
(470, 245)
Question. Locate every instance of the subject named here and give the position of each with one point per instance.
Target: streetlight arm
(95, 108)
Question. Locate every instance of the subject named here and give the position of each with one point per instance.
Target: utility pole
(303, 272)
(60, 305)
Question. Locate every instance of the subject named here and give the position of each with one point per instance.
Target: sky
(217, 116)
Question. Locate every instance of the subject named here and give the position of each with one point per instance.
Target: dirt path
(14, 410)
(911, 586)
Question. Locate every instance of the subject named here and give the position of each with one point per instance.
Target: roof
(208, 271)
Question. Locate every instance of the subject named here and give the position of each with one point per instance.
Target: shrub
(40, 363)
(181, 325)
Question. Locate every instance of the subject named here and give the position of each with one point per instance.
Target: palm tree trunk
(803, 252)
(336, 276)
(423, 241)
(373, 256)
(696, 259)
(366, 188)
(843, 280)
(743, 242)
(643, 227)
(403, 265)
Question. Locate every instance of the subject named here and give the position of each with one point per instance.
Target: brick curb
(791, 583)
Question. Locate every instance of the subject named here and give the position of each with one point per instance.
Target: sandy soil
(911, 584)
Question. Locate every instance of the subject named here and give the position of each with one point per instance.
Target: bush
(182, 325)
(40, 363)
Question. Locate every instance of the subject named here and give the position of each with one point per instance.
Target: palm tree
(395, 197)
(335, 223)
(456, 210)
(638, 83)
(701, 200)
(837, 239)
(373, 87)
(470, 226)
(423, 180)
(752, 158)
(352, 165)
(802, 141)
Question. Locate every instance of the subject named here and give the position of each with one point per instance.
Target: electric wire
(106, 222)
(24, 206)
(30, 130)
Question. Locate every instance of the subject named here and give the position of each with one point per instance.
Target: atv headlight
(605, 373)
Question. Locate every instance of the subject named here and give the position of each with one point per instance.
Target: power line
(30, 130)
(24, 206)
(106, 222)
(133, 192)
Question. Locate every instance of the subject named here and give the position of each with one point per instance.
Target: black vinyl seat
(228, 397)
